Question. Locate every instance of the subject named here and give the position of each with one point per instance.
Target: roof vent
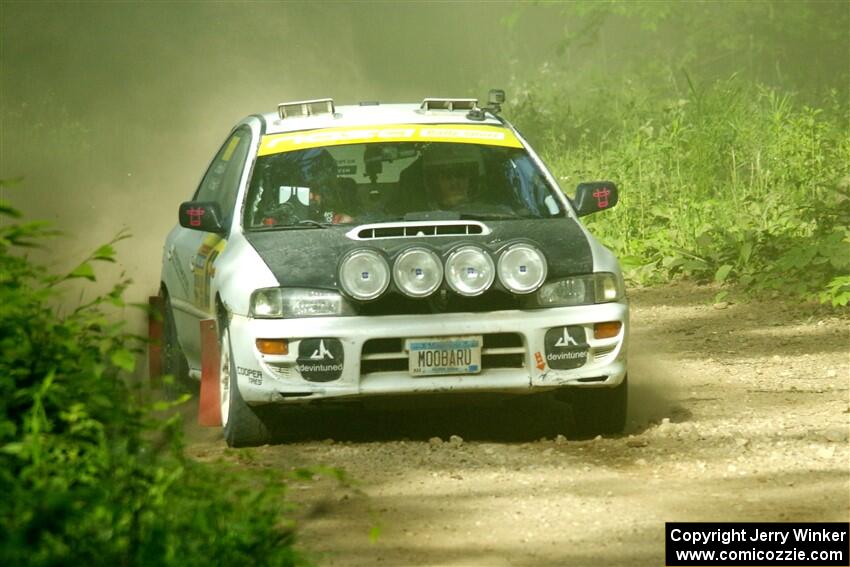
(449, 104)
(417, 230)
(306, 107)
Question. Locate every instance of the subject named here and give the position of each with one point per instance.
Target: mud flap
(156, 315)
(209, 405)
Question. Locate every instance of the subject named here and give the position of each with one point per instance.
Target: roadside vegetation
(93, 472)
(737, 173)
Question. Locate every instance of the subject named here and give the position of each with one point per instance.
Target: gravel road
(738, 412)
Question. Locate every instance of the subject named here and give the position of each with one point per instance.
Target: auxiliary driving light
(522, 268)
(470, 271)
(364, 274)
(418, 272)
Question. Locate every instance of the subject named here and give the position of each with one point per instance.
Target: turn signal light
(273, 346)
(606, 330)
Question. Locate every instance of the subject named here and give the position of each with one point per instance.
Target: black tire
(599, 411)
(243, 427)
(172, 360)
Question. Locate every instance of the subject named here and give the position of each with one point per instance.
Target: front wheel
(242, 426)
(599, 411)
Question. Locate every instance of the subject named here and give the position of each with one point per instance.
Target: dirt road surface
(738, 412)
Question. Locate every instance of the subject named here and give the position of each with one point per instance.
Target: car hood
(310, 257)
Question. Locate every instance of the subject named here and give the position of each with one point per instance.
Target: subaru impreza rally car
(346, 252)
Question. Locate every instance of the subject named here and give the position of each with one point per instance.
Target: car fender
(239, 271)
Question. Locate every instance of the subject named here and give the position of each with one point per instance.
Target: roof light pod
(470, 271)
(418, 272)
(364, 274)
(522, 268)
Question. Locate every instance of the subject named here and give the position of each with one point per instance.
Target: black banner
(761, 544)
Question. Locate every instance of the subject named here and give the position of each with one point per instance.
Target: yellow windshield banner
(458, 133)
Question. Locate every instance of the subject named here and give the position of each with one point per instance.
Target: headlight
(522, 268)
(364, 274)
(470, 271)
(418, 272)
(580, 290)
(277, 303)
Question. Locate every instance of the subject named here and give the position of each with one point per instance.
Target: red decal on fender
(541, 364)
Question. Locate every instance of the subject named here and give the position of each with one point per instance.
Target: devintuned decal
(255, 377)
(320, 360)
(457, 133)
(566, 347)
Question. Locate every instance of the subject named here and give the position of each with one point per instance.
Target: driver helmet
(442, 159)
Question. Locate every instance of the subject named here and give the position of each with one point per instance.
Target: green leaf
(746, 252)
(15, 448)
(105, 253)
(124, 359)
(84, 270)
(722, 273)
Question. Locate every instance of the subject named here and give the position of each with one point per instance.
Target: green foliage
(769, 41)
(732, 183)
(89, 475)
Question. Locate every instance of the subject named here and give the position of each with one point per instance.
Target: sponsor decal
(538, 359)
(195, 214)
(566, 347)
(461, 133)
(346, 169)
(320, 360)
(602, 197)
(203, 268)
(231, 147)
(255, 377)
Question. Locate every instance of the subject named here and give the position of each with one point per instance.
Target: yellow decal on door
(203, 269)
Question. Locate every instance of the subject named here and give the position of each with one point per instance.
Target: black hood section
(310, 257)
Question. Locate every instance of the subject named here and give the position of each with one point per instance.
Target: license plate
(444, 355)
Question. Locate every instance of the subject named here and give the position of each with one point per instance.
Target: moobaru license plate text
(445, 355)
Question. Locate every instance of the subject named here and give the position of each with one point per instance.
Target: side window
(221, 181)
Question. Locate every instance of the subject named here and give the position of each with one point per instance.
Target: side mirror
(595, 196)
(201, 215)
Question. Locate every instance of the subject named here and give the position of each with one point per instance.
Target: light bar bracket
(306, 107)
(449, 104)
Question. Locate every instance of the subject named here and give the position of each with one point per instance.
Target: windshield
(392, 181)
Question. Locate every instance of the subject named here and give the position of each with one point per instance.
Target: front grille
(440, 302)
(500, 350)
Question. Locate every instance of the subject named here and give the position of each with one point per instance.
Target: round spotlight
(470, 271)
(364, 274)
(418, 272)
(522, 268)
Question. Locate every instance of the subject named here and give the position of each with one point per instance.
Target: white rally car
(389, 249)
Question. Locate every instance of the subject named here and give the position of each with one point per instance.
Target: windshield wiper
(301, 224)
(493, 216)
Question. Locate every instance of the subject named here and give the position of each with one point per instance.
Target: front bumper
(276, 378)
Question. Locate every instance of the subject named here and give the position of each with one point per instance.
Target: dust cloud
(111, 111)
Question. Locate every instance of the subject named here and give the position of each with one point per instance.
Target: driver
(451, 173)
(308, 190)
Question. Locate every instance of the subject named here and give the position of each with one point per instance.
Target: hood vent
(417, 230)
